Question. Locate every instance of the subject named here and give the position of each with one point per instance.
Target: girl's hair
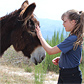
(78, 30)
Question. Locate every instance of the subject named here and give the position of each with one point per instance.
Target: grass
(7, 79)
(39, 74)
(11, 75)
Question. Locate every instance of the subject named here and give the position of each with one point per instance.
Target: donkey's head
(24, 37)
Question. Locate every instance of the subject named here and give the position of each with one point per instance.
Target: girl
(70, 48)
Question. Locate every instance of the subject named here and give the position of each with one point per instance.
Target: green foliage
(56, 39)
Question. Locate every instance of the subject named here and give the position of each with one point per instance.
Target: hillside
(48, 27)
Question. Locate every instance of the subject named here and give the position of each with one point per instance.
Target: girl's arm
(50, 50)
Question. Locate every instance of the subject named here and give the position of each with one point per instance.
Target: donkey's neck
(7, 26)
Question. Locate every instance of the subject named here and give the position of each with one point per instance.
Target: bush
(56, 39)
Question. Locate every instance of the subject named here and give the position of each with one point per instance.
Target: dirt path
(11, 75)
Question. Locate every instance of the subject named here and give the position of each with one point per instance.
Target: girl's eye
(64, 21)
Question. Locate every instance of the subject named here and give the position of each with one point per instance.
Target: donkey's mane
(15, 13)
(11, 14)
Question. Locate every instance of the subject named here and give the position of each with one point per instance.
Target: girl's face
(68, 24)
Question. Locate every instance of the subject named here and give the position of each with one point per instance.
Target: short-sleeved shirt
(69, 57)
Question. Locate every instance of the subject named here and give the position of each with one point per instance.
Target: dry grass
(10, 75)
(12, 70)
(51, 78)
(11, 57)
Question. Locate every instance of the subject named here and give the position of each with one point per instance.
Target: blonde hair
(78, 30)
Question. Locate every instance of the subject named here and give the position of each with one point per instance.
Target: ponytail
(80, 28)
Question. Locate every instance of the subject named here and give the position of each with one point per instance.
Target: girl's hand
(56, 60)
(38, 32)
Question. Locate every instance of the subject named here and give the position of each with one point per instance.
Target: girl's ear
(73, 22)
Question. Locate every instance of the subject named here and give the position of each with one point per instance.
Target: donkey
(18, 29)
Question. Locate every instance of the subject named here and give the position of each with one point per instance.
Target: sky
(51, 9)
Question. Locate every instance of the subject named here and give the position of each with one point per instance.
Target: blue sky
(51, 9)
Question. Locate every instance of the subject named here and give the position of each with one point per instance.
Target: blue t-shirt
(69, 58)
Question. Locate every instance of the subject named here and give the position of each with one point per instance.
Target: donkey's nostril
(35, 61)
(42, 58)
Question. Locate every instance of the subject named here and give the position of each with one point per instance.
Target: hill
(48, 27)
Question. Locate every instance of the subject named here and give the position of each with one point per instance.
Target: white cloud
(52, 9)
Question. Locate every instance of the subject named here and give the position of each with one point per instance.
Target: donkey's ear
(29, 11)
(25, 4)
